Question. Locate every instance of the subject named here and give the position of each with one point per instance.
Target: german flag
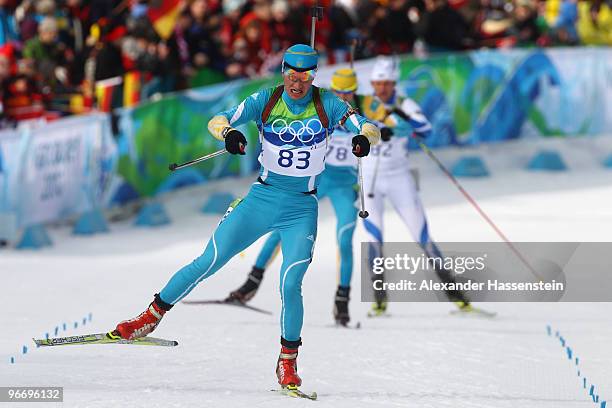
(163, 14)
(132, 82)
(107, 92)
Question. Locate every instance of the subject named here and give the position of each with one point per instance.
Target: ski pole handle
(316, 12)
(175, 166)
(362, 212)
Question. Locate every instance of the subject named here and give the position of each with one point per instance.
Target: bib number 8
(286, 158)
(341, 152)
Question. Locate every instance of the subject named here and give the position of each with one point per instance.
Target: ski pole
(174, 166)
(317, 14)
(428, 151)
(362, 213)
(352, 52)
(374, 176)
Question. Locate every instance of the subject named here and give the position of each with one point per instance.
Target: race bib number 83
(300, 162)
(288, 159)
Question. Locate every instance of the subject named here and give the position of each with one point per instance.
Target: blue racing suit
(339, 183)
(283, 200)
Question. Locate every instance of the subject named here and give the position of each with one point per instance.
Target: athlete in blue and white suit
(294, 143)
(339, 184)
(386, 172)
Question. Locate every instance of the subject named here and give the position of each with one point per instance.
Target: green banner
(470, 98)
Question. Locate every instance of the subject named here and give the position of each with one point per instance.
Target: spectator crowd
(54, 52)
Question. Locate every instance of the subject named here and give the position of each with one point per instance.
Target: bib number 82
(286, 159)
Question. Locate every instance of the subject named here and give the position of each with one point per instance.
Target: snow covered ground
(421, 356)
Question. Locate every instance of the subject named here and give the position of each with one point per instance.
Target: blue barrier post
(218, 203)
(547, 160)
(34, 237)
(470, 166)
(153, 214)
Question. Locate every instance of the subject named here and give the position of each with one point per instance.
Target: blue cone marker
(56, 330)
(24, 350)
(64, 326)
(603, 404)
(76, 324)
(576, 360)
(84, 321)
(12, 360)
(591, 391)
(569, 353)
(47, 336)
(90, 316)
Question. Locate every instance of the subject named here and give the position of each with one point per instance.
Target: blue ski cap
(300, 57)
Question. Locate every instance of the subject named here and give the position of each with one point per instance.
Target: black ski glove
(235, 142)
(361, 146)
(386, 133)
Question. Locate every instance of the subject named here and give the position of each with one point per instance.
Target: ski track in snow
(420, 356)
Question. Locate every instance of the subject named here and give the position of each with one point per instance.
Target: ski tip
(113, 334)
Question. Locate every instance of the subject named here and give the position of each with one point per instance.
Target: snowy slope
(419, 357)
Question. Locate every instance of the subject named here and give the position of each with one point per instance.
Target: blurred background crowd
(59, 57)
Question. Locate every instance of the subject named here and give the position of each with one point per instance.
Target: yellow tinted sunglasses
(299, 76)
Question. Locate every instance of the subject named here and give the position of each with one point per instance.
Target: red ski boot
(144, 323)
(286, 367)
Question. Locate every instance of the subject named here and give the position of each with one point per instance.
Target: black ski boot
(341, 312)
(249, 288)
(456, 296)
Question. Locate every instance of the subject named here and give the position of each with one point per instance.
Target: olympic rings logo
(304, 132)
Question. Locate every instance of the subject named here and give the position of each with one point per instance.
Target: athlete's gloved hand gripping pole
(235, 142)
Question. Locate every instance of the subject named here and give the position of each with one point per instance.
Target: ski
(473, 311)
(226, 302)
(375, 315)
(295, 392)
(347, 325)
(102, 338)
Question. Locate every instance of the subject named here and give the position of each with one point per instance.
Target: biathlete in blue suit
(295, 121)
(339, 183)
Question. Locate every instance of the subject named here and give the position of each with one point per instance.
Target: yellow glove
(217, 126)
(371, 132)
